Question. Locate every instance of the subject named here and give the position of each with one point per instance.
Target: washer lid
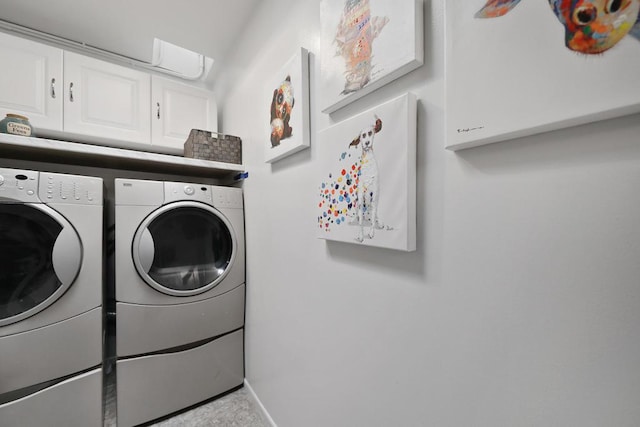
(184, 248)
(40, 258)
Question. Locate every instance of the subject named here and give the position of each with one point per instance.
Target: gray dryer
(180, 288)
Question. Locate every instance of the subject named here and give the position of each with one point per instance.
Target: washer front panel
(29, 271)
(184, 248)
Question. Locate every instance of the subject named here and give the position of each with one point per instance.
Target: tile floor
(237, 409)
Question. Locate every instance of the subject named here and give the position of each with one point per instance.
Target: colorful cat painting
(591, 26)
(354, 38)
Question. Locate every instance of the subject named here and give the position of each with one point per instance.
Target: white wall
(521, 306)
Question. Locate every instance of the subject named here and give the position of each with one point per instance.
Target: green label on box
(18, 129)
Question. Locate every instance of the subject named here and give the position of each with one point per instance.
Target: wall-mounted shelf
(49, 150)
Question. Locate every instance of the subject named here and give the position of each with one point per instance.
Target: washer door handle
(146, 250)
(67, 256)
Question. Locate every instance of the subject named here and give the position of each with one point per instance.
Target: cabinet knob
(53, 87)
(71, 91)
(158, 110)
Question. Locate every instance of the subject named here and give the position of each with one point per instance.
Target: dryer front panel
(184, 248)
(40, 257)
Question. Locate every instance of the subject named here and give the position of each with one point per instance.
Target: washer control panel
(18, 185)
(27, 186)
(72, 189)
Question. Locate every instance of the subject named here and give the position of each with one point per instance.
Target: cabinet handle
(158, 110)
(71, 91)
(53, 87)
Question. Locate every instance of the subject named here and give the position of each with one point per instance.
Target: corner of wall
(256, 401)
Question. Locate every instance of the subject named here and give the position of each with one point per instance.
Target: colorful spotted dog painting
(338, 193)
(591, 26)
(367, 191)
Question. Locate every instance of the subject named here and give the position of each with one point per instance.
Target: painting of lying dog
(288, 105)
(366, 193)
(520, 67)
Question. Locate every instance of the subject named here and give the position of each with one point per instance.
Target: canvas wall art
(366, 44)
(519, 67)
(287, 100)
(367, 189)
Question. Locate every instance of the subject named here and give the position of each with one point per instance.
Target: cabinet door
(106, 100)
(176, 109)
(31, 82)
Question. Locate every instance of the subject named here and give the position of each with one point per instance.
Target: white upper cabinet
(31, 81)
(105, 100)
(80, 98)
(176, 109)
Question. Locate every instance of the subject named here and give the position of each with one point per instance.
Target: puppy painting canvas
(366, 193)
(366, 44)
(519, 67)
(288, 95)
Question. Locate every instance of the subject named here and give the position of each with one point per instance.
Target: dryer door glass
(193, 249)
(27, 276)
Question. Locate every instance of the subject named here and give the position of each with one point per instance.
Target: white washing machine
(180, 289)
(50, 299)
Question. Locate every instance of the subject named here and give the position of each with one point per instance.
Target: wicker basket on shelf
(207, 145)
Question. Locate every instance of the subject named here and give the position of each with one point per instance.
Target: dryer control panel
(227, 197)
(174, 191)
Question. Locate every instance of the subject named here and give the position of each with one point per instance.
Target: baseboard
(259, 403)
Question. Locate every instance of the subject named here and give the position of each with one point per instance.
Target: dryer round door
(184, 248)
(40, 258)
